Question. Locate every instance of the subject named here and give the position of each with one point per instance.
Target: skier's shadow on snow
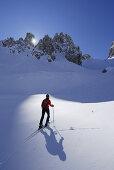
(53, 146)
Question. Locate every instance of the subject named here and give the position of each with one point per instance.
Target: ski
(41, 128)
(44, 126)
(34, 133)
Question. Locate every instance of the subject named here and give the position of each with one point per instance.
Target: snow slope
(82, 134)
(98, 64)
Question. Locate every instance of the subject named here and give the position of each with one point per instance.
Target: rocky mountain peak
(111, 51)
(60, 43)
(28, 39)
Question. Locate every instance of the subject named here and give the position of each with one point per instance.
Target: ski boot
(46, 124)
(40, 126)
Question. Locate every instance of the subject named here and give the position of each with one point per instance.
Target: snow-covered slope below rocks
(82, 134)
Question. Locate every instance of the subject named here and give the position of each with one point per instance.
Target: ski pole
(53, 116)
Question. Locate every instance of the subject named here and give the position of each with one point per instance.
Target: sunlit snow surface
(82, 136)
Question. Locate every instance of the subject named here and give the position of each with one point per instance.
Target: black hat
(47, 96)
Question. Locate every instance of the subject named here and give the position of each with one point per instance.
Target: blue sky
(90, 23)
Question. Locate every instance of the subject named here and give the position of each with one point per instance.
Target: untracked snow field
(82, 134)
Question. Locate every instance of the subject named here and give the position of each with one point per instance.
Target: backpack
(45, 104)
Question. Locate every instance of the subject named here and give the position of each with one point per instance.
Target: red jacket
(48, 103)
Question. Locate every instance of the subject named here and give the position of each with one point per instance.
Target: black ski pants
(43, 113)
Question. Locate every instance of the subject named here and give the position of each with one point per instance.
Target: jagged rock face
(37, 54)
(86, 57)
(75, 58)
(63, 41)
(9, 42)
(46, 45)
(28, 39)
(60, 43)
(19, 45)
(111, 51)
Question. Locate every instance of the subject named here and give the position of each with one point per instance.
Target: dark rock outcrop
(46, 45)
(111, 51)
(28, 39)
(86, 57)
